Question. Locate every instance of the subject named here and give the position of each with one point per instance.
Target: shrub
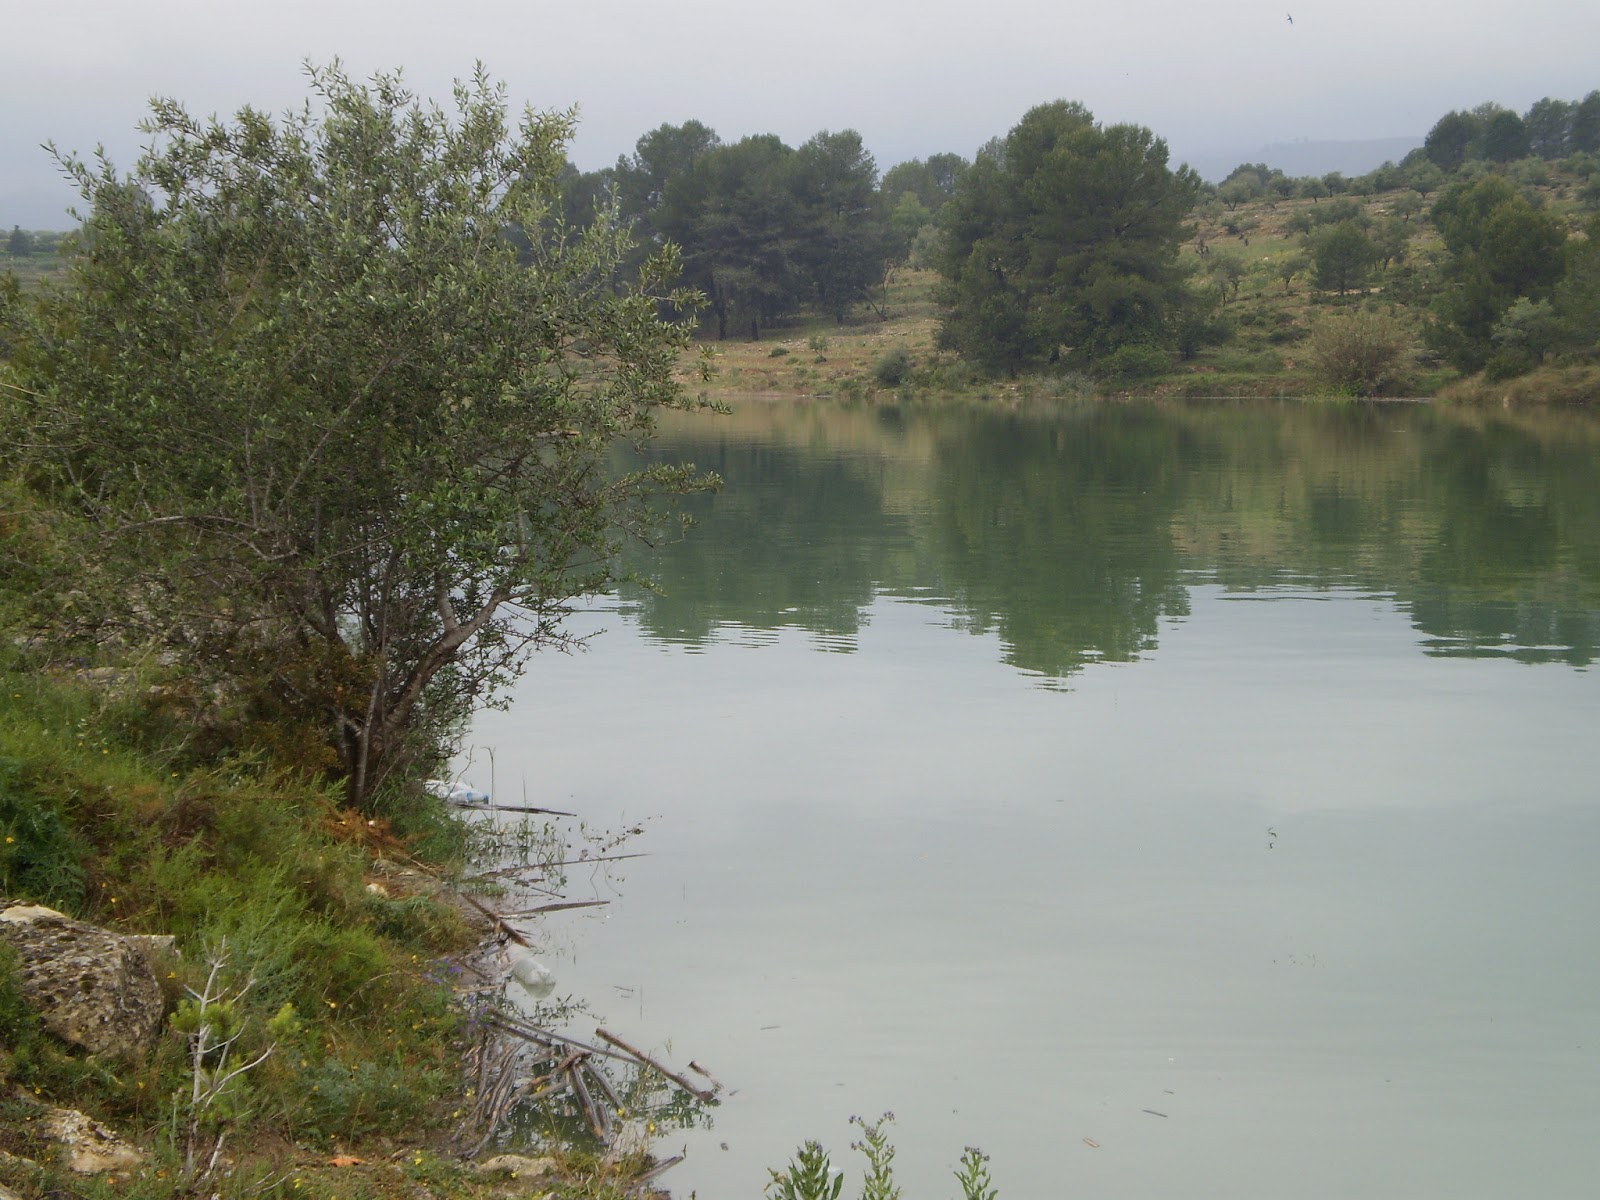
(891, 370)
(1364, 353)
(1133, 362)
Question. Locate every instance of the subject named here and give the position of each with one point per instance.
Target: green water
(1033, 773)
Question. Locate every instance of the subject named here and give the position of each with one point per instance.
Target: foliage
(212, 1021)
(40, 857)
(891, 370)
(879, 1183)
(1342, 257)
(810, 1174)
(237, 855)
(1062, 239)
(973, 1175)
(1362, 353)
(763, 227)
(1501, 247)
(1132, 363)
(342, 442)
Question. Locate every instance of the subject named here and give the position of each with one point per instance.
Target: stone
(517, 1166)
(91, 987)
(88, 1147)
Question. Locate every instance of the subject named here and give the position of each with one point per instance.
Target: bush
(1132, 363)
(1364, 353)
(891, 370)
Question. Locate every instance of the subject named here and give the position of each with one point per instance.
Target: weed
(973, 1175)
(809, 1176)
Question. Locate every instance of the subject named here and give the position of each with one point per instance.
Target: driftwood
(698, 1093)
(498, 922)
(599, 1122)
(639, 1183)
(599, 1077)
(716, 1084)
(516, 808)
(548, 1037)
(558, 906)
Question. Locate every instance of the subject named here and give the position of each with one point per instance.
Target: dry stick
(597, 1125)
(650, 1062)
(605, 1085)
(560, 906)
(531, 1088)
(500, 872)
(639, 1182)
(716, 1083)
(498, 922)
(548, 1037)
(495, 1106)
(554, 812)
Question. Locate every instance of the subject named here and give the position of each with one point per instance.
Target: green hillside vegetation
(1040, 268)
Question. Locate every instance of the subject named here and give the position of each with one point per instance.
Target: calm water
(1022, 773)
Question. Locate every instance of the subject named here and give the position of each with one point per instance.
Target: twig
(553, 812)
(591, 1114)
(605, 1084)
(498, 921)
(698, 1093)
(547, 1037)
(658, 1169)
(559, 906)
(715, 1082)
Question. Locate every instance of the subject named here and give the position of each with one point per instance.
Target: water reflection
(1075, 534)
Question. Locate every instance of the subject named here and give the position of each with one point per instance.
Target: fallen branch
(552, 812)
(640, 1181)
(497, 921)
(716, 1083)
(595, 1116)
(559, 906)
(698, 1093)
(547, 1037)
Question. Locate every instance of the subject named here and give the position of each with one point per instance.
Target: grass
(329, 958)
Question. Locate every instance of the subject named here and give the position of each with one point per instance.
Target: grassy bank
(334, 942)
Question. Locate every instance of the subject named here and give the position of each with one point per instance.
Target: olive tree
(336, 391)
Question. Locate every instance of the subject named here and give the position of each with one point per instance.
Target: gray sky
(914, 78)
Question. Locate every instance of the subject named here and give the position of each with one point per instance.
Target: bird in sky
(1291, 18)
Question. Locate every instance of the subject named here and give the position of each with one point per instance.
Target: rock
(88, 1147)
(90, 986)
(516, 1165)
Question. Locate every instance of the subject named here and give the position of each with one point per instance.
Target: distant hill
(1304, 157)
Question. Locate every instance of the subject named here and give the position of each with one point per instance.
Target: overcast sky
(914, 78)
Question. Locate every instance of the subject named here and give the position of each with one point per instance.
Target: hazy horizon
(914, 80)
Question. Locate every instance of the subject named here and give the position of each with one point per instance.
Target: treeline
(1058, 244)
(25, 243)
(765, 228)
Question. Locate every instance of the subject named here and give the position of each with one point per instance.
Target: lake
(1171, 800)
